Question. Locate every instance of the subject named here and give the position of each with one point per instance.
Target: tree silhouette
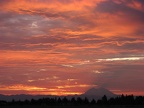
(86, 101)
(73, 101)
(104, 100)
(59, 101)
(65, 101)
(79, 101)
(93, 102)
(119, 100)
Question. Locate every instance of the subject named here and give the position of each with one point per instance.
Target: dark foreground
(128, 101)
(32, 106)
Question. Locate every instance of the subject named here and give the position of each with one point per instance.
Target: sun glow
(60, 90)
(22, 87)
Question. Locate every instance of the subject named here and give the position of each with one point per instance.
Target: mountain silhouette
(99, 92)
(93, 93)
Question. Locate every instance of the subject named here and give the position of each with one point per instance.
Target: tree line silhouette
(58, 101)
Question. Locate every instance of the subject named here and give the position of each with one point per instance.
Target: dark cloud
(122, 76)
(141, 1)
(114, 8)
(111, 7)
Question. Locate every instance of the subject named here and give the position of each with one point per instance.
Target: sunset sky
(62, 47)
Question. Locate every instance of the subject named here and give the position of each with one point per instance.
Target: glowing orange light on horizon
(38, 90)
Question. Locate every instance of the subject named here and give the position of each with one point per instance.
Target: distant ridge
(93, 93)
(99, 92)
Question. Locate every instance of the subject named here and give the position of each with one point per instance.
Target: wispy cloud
(122, 59)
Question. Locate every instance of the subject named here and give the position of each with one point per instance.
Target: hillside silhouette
(124, 100)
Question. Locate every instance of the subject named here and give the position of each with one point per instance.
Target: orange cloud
(82, 15)
(38, 6)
